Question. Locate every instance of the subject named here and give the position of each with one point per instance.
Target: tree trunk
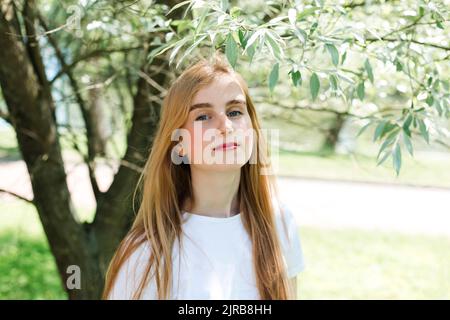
(30, 107)
(332, 135)
(27, 93)
(97, 116)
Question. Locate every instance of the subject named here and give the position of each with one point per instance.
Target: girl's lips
(227, 146)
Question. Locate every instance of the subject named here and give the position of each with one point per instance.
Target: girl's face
(219, 126)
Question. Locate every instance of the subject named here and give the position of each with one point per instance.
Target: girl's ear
(179, 149)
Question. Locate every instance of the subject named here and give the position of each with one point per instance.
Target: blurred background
(358, 92)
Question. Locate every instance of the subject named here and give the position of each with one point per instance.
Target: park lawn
(340, 264)
(425, 169)
(27, 268)
(356, 264)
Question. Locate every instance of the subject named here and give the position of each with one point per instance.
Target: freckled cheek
(248, 141)
(196, 142)
(249, 137)
(244, 123)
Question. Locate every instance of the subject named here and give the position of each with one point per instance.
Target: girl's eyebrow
(208, 105)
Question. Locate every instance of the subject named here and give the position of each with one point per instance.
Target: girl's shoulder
(284, 216)
(289, 235)
(131, 272)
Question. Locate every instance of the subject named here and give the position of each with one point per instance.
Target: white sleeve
(130, 274)
(291, 245)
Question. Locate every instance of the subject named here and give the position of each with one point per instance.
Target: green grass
(423, 170)
(340, 264)
(355, 264)
(27, 268)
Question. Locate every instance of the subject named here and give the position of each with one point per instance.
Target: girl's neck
(215, 193)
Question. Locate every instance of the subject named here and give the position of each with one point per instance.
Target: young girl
(208, 229)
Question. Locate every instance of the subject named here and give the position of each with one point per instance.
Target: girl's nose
(225, 125)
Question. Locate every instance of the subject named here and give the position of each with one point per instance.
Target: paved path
(337, 204)
(328, 204)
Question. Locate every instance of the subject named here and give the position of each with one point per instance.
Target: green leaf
(190, 49)
(231, 50)
(251, 52)
(177, 6)
(301, 35)
(333, 82)
(429, 100)
(343, 57)
(242, 38)
(398, 65)
(199, 26)
(436, 85)
(296, 77)
(363, 129)
(224, 5)
(421, 10)
(273, 77)
(386, 155)
(407, 122)
(254, 37)
(313, 28)
(368, 68)
(360, 90)
(437, 105)
(408, 143)
(314, 85)
(175, 50)
(305, 13)
(319, 3)
(276, 50)
(397, 158)
(160, 50)
(390, 128)
(334, 53)
(345, 78)
(386, 143)
(379, 130)
(423, 130)
(235, 12)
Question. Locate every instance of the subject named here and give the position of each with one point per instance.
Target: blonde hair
(165, 186)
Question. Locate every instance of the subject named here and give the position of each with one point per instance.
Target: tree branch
(115, 210)
(353, 4)
(84, 111)
(29, 15)
(93, 54)
(427, 44)
(16, 195)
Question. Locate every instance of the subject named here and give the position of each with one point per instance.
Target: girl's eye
(235, 113)
(202, 117)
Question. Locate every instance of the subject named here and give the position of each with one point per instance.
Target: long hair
(165, 186)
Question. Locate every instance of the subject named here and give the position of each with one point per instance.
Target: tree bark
(115, 210)
(332, 135)
(30, 107)
(27, 93)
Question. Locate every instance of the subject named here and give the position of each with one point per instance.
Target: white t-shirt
(216, 261)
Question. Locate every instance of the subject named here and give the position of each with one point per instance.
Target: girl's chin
(219, 167)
